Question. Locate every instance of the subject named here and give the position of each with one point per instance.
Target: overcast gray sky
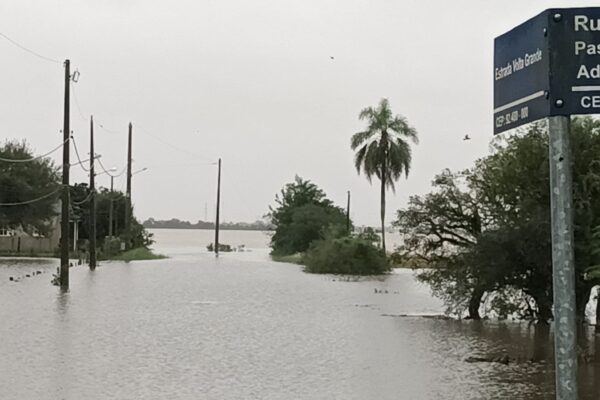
(253, 82)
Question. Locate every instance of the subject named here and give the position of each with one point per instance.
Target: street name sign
(549, 65)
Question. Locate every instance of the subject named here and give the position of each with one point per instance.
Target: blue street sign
(575, 58)
(521, 74)
(549, 65)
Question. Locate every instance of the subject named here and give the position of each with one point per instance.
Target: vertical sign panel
(575, 61)
(521, 74)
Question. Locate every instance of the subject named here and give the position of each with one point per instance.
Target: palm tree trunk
(383, 210)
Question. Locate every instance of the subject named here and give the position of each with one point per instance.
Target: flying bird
(467, 137)
(331, 57)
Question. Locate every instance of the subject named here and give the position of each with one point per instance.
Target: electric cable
(28, 50)
(77, 155)
(21, 203)
(108, 173)
(78, 203)
(77, 102)
(34, 158)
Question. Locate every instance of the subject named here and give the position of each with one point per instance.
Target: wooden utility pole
(218, 210)
(128, 207)
(65, 234)
(348, 215)
(92, 199)
(110, 210)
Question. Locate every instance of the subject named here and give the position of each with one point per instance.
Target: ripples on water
(242, 327)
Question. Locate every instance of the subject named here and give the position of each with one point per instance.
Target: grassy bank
(138, 254)
(292, 259)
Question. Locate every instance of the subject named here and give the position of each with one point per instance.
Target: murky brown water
(242, 327)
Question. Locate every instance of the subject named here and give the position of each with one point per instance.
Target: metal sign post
(563, 260)
(549, 66)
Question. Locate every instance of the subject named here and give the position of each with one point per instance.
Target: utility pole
(218, 210)
(75, 234)
(110, 210)
(348, 215)
(563, 259)
(65, 234)
(92, 199)
(128, 207)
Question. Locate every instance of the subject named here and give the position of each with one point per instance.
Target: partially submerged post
(111, 209)
(92, 199)
(218, 210)
(128, 208)
(64, 226)
(563, 259)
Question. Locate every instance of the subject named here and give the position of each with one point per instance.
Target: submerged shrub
(347, 256)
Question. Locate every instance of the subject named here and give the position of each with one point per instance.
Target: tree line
(30, 195)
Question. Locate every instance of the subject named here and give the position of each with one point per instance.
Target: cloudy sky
(253, 82)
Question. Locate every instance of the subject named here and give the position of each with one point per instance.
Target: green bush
(347, 256)
(138, 254)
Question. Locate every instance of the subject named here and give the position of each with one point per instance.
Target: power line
(34, 158)
(106, 129)
(21, 203)
(79, 158)
(108, 173)
(77, 102)
(143, 130)
(78, 203)
(28, 50)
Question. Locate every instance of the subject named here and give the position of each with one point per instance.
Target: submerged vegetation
(484, 233)
(311, 231)
(138, 254)
(346, 256)
(303, 215)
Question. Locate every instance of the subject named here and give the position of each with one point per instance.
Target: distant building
(19, 241)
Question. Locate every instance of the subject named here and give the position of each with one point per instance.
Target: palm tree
(383, 149)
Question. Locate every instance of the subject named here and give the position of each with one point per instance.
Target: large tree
(80, 195)
(489, 231)
(383, 150)
(302, 215)
(28, 188)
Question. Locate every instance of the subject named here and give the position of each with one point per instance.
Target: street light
(139, 170)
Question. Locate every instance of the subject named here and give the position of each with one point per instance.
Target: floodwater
(243, 327)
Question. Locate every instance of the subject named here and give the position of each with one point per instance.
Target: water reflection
(241, 327)
(62, 301)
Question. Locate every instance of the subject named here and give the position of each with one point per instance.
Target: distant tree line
(175, 223)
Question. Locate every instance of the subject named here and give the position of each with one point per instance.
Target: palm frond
(383, 145)
(359, 158)
(400, 126)
(360, 137)
(367, 113)
(372, 161)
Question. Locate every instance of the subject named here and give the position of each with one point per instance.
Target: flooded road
(243, 327)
